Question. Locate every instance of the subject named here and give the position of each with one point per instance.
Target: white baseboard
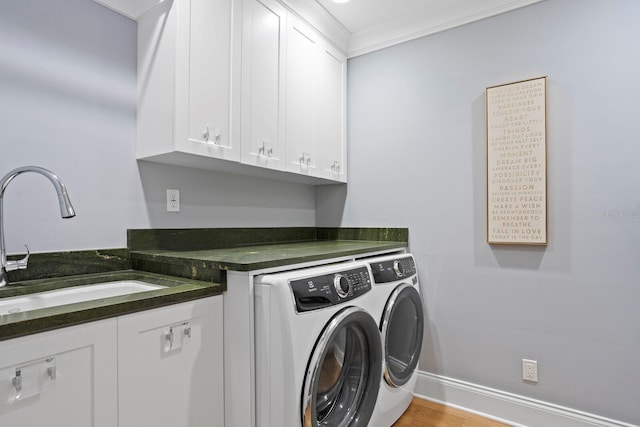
(509, 408)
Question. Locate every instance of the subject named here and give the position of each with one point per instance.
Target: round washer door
(344, 373)
(402, 330)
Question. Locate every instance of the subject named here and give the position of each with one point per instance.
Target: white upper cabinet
(331, 110)
(185, 81)
(241, 86)
(204, 97)
(302, 46)
(263, 103)
(315, 121)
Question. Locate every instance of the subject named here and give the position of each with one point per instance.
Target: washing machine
(396, 287)
(318, 347)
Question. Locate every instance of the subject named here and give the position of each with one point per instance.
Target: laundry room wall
(417, 159)
(68, 103)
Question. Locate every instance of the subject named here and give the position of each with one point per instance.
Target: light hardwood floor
(423, 413)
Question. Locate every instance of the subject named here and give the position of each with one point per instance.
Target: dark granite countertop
(192, 263)
(257, 257)
(29, 322)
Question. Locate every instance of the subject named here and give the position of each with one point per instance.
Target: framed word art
(517, 162)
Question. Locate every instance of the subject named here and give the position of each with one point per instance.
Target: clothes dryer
(401, 326)
(318, 347)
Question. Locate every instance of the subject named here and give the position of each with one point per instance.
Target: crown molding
(132, 9)
(425, 23)
(318, 17)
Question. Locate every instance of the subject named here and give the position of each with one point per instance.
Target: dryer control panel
(393, 270)
(316, 292)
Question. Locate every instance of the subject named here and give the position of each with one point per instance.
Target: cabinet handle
(168, 340)
(33, 379)
(265, 150)
(17, 382)
(335, 166)
(206, 135)
(305, 160)
(176, 337)
(51, 372)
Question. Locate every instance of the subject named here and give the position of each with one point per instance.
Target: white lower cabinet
(63, 378)
(170, 363)
(160, 367)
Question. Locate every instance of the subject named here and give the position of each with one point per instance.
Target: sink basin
(73, 295)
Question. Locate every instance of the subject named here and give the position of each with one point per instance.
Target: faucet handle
(19, 264)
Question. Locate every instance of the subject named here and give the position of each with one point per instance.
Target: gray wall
(417, 160)
(416, 111)
(68, 103)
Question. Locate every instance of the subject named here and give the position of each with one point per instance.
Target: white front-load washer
(318, 347)
(401, 326)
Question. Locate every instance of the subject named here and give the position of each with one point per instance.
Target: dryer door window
(402, 330)
(344, 372)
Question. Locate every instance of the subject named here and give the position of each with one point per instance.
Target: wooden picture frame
(516, 117)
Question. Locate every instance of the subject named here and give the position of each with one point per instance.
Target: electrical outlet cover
(173, 200)
(530, 370)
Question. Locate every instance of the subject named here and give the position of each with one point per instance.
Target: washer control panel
(313, 293)
(393, 270)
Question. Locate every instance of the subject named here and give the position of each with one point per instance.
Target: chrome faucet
(66, 211)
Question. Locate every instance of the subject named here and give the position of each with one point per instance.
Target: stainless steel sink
(73, 295)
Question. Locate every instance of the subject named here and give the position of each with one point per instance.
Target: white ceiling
(362, 26)
(374, 24)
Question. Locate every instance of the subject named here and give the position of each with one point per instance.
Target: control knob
(342, 285)
(398, 268)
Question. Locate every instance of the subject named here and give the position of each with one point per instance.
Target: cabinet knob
(335, 166)
(398, 268)
(341, 285)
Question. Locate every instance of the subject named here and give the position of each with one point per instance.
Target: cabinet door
(316, 107)
(63, 378)
(263, 83)
(301, 97)
(171, 366)
(331, 128)
(204, 79)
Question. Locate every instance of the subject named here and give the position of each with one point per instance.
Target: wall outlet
(173, 200)
(530, 370)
